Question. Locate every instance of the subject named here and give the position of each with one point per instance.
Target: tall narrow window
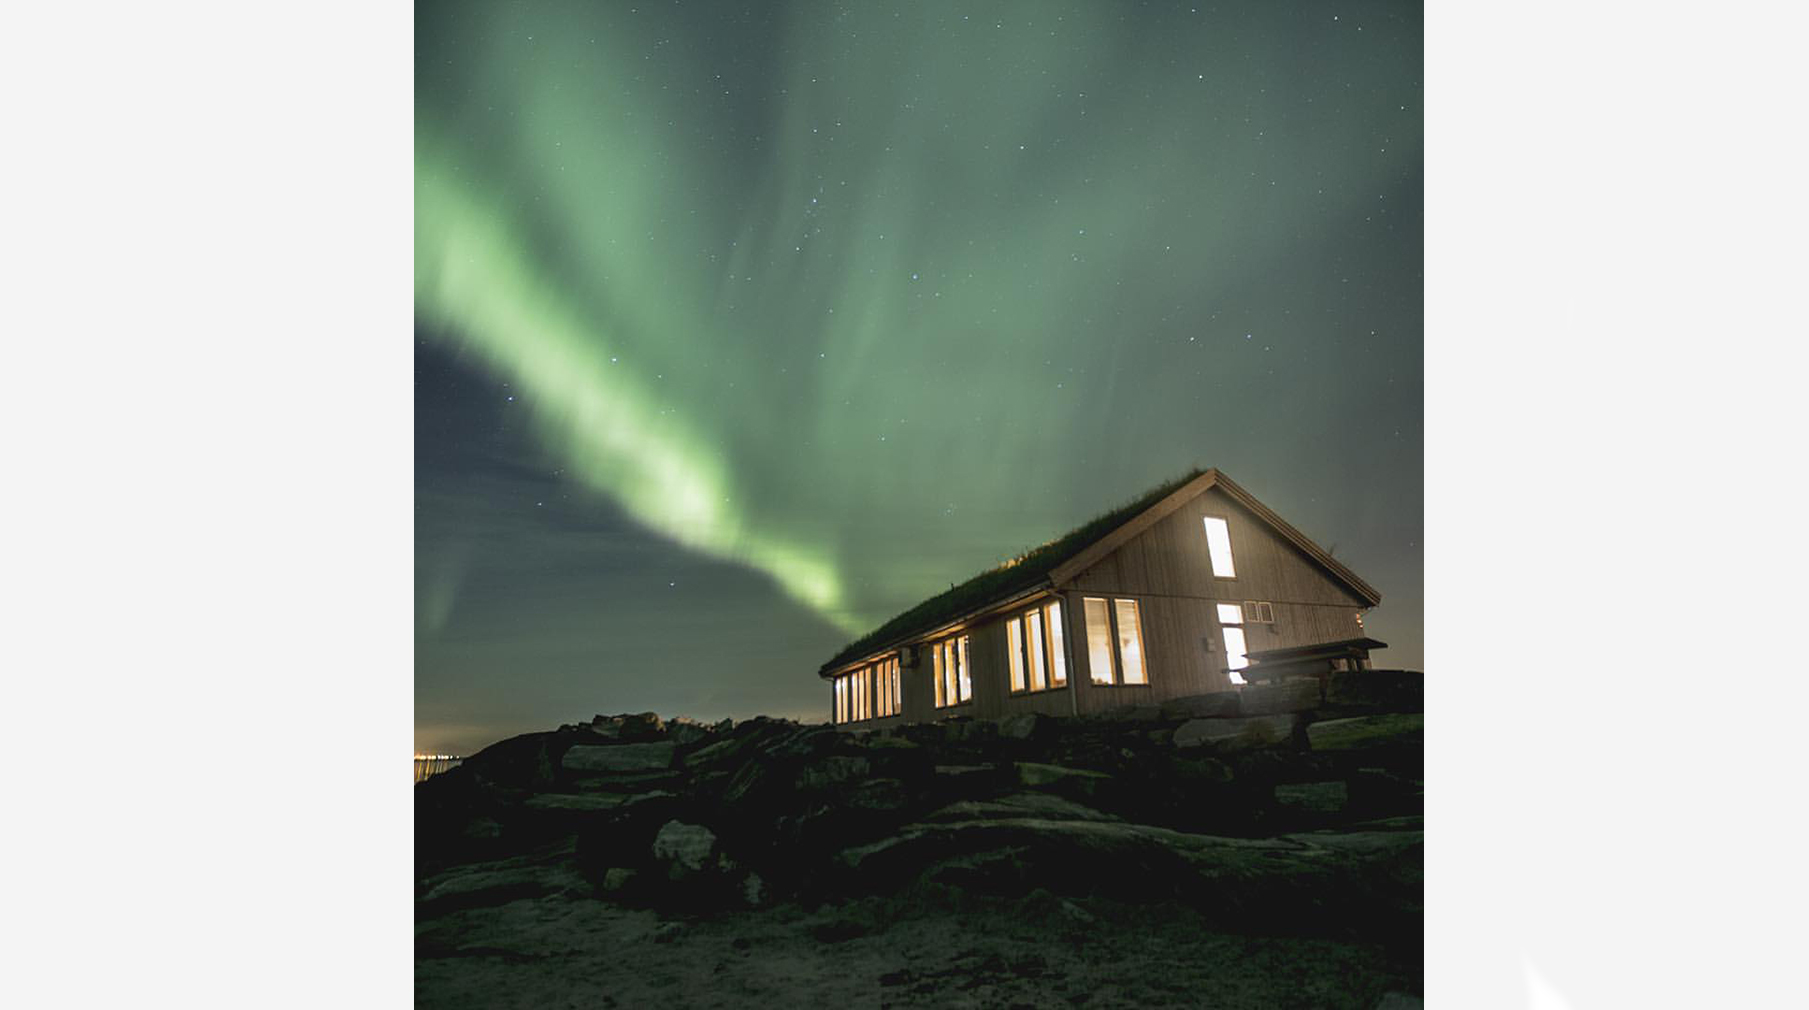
(1058, 653)
(1014, 629)
(936, 673)
(1033, 627)
(967, 682)
(841, 699)
(1130, 642)
(1099, 641)
(1218, 545)
(897, 688)
(953, 685)
(951, 671)
(1231, 616)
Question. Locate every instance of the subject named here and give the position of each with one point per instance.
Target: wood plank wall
(1168, 571)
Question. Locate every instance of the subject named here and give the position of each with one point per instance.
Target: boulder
(827, 773)
(1367, 732)
(486, 885)
(1131, 713)
(1217, 705)
(754, 891)
(1236, 734)
(521, 762)
(1076, 782)
(1280, 697)
(685, 732)
(624, 782)
(574, 803)
(1313, 797)
(631, 757)
(1376, 691)
(1321, 881)
(642, 726)
(1017, 805)
(685, 849)
(618, 880)
(1021, 726)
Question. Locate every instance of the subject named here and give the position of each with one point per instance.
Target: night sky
(741, 328)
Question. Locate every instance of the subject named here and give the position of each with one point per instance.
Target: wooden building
(1163, 598)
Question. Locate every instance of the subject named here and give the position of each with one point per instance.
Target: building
(1166, 597)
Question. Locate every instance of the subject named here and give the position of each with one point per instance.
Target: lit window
(1114, 642)
(936, 673)
(841, 699)
(1033, 644)
(885, 674)
(953, 684)
(967, 683)
(1130, 642)
(1230, 617)
(951, 674)
(1099, 641)
(1015, 631)
(1218, 545)
(1035, 650)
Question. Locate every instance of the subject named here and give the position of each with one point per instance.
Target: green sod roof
(1002, 582)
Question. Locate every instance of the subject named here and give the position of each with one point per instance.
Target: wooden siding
(1167, 570)
(1170, 559)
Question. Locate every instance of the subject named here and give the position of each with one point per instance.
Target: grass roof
(1012, 577)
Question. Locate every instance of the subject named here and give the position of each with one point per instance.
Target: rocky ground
(1258, 848)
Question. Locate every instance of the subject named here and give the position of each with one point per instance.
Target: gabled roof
(1072, 553)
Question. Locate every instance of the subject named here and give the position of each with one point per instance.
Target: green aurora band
(914, 279)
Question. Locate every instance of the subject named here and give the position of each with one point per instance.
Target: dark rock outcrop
(1273, 806)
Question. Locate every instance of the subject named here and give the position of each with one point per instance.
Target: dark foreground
(1259, 851)
(1038, 951)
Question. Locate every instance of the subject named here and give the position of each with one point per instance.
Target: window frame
(1263, 609)
(944, 651)
(1234, 675)
(1048, 661)
(1114, 643)
(1230, 549)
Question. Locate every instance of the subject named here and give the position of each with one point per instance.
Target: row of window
(869, 691)
(1038, 659)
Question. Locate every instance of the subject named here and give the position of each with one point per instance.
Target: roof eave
(1039, 588)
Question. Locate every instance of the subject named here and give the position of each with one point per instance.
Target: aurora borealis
(741, 328)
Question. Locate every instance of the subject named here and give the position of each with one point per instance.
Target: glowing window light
(1015, 630)
(967, 683)
(1130, 642)
(936, 674)
(1218, 545)
(1033, 624)
(1058, 659)
(1099, 640)
(1230, 617)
